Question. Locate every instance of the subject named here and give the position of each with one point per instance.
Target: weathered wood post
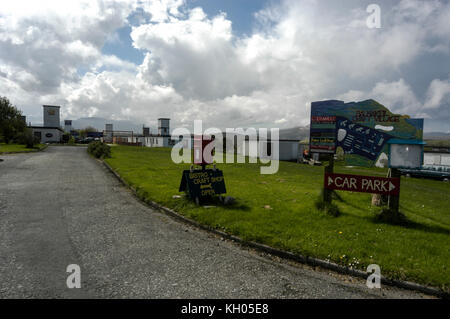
(327, 193)
(394, 201)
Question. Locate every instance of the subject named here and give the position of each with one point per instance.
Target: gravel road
(61, 207)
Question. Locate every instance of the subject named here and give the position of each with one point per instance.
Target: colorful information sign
(323, 134)
(360, 130)
(363, 184)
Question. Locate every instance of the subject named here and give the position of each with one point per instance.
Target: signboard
(362, 184)
(405, 154)
(203, 183)
(322, 134)
(361, 129)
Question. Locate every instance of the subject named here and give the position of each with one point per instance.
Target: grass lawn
(17, 148)
(418, 252)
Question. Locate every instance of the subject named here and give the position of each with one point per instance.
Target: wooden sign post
(327, 192)
(203, 182)
(363, 184)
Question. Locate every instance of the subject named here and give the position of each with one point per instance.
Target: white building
(288, 150)
(51, 131)
(436, 158)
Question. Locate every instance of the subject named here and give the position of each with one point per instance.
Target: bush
(66, 137)
(99, 149)
(330, 208)
(27, 138)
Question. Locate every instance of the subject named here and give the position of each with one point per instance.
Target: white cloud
(195, 55)
(51, 39)
(438, 93)
(162, 10)
(399, 97)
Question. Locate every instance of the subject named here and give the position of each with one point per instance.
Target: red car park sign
(363, 184)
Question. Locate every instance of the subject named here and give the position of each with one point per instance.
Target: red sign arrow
(363, 184)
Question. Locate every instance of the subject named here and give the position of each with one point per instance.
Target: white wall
(436, 159)
(56, 134)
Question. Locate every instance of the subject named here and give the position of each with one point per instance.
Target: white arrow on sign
(391, 186)
(330, 180)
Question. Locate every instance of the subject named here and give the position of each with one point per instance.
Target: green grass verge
(18, 148)
(279, 210)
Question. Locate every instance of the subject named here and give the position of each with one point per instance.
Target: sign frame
(362, 184)
(202, 183)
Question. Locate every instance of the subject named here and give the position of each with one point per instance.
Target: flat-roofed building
(50, 132)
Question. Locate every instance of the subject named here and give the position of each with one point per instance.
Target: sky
(230, 63)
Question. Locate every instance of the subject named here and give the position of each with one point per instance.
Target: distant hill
(294, 133)
(436, 136)
(299, 133)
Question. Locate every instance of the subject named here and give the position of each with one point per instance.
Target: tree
(83, 132)
(27, 138)
(11, 121)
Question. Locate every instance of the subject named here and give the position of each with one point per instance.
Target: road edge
(311, 261)
(21, 152)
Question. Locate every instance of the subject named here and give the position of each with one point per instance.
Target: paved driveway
(60, 207)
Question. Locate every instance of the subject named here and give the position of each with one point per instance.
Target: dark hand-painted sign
(363, 184)
(359, 139)
(323, 134)
(203, 183)
(360, 130)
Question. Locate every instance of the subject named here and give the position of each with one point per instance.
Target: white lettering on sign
(366, 184)
(330, 180)
(391, 186)
(379, 185)
(353, 183)
(343, 182)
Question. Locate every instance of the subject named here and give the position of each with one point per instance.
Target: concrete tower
(51, 116)
(163, 126)
(67, 126)
(108, 134)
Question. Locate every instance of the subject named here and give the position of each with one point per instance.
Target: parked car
(441, 173)
(86, 140)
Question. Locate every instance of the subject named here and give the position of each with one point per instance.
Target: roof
(52, 106)
(47, 128)
(403, 141)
